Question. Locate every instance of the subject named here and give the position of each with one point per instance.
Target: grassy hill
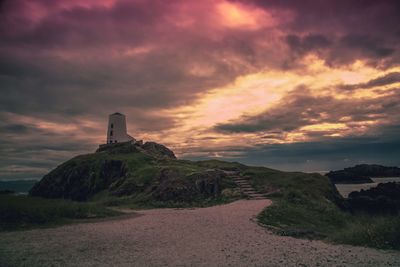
(309, 206)
(148, 176)
(130, 175)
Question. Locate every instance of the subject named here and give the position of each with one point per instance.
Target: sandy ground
(224, 235)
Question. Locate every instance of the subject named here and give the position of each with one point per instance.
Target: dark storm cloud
(80, 25)
(344, 31)
(311, 109)
(325, 155)
(27, 151)
(73, 68)
(312, 42)
(15, 129)
(387, 79)
(78, 63)
(340, 15)
(341, 50)
(367, 44)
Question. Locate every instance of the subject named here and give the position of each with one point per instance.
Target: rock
(157, 150)
(150, 148)
(173, 187)
(362, 173)
(383, 199)
(118, 148)
(79, 178)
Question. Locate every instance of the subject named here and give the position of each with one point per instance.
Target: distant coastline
(346, 189)
(18, 186)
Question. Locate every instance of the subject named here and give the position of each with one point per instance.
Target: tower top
(117, 113)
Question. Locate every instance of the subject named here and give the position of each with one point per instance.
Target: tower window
(112, 125)
(111, 133)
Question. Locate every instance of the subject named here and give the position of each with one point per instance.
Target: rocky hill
(362, 173)
(149, 174)
(132, 169)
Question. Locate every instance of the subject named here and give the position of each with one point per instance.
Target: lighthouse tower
(116, 132)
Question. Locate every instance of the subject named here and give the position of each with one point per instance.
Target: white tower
(116, 132)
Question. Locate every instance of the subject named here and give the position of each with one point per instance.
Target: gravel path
(223, 235)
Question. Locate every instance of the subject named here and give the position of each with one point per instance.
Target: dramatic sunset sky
(294, 85)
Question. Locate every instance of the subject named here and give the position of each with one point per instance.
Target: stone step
(242, 183)
(241, 180)
(248, 190)
(245, 187)
(253, 193)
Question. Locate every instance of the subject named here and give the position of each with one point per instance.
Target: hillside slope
(147, 176)
(150, 171)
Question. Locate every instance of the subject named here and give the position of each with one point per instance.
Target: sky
(309, 85)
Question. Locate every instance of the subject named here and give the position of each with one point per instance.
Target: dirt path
(217, 236)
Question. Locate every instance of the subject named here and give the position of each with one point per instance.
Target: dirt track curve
(225, 235)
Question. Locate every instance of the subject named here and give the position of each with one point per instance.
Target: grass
(327, 222)
(381, 232)
(143, 172)
(145, 201)
(307, 207)
(24, 212)
(310, 220)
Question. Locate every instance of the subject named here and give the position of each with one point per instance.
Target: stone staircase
(245, 187)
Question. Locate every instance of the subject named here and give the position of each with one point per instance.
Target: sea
(18, 186)
(346, 189)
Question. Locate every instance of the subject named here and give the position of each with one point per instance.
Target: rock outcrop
(80, 178)
(383, 199)
(197, 185)
(158, 150)
(362, 173)
(150, 148)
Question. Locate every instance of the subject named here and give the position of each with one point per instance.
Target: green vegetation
(307, 206)
(122, 176)
(362, 230)
(143, 201)
(148, 175)
(24, 212)
(128, 175)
